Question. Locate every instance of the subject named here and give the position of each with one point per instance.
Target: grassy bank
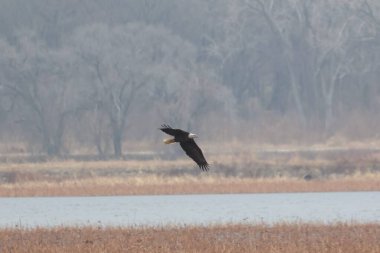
(143, 185)
(246, 172)
(292, 238)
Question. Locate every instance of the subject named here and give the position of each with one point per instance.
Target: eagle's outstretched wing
(167, 129)
(195, 153)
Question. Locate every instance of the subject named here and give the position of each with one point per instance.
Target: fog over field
(99, 77)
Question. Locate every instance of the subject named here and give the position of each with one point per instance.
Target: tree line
(95, 74)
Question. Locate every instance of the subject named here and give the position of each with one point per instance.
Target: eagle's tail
(168, 141)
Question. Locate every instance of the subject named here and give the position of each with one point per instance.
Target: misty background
(101, 76)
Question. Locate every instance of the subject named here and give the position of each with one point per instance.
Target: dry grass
(292, 238)
(252, 172)
(142, 185)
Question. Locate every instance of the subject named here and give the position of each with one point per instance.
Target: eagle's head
(192, 136)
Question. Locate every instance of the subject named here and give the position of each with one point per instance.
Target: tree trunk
(117, 142)
(52, 148)
(296, 94)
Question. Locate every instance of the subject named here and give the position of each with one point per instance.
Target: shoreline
(157, 185)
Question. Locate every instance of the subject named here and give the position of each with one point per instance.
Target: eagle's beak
(192, 136)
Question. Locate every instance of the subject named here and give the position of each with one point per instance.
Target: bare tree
(41, 81)
(309, 63)
(339, 50)
(123, 64)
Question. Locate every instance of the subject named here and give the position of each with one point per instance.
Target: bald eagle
(186, 140)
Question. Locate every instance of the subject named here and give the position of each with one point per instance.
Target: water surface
(190, 209)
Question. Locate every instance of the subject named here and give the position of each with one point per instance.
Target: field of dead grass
(254, 172)
(291, 238)
(152, 185)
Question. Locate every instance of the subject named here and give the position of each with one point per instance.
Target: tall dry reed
(285, 238)
(250, 172)
(153, 185)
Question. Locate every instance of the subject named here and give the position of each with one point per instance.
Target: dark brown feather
(195, 153)
(174, 132)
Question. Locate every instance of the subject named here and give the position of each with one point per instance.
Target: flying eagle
(186, 140)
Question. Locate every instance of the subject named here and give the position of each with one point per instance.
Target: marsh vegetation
(249, 172)
(261, 238)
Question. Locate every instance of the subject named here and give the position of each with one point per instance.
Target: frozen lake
(190, 209)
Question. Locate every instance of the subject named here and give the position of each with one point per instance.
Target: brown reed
(282, 237)
(152, 185)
